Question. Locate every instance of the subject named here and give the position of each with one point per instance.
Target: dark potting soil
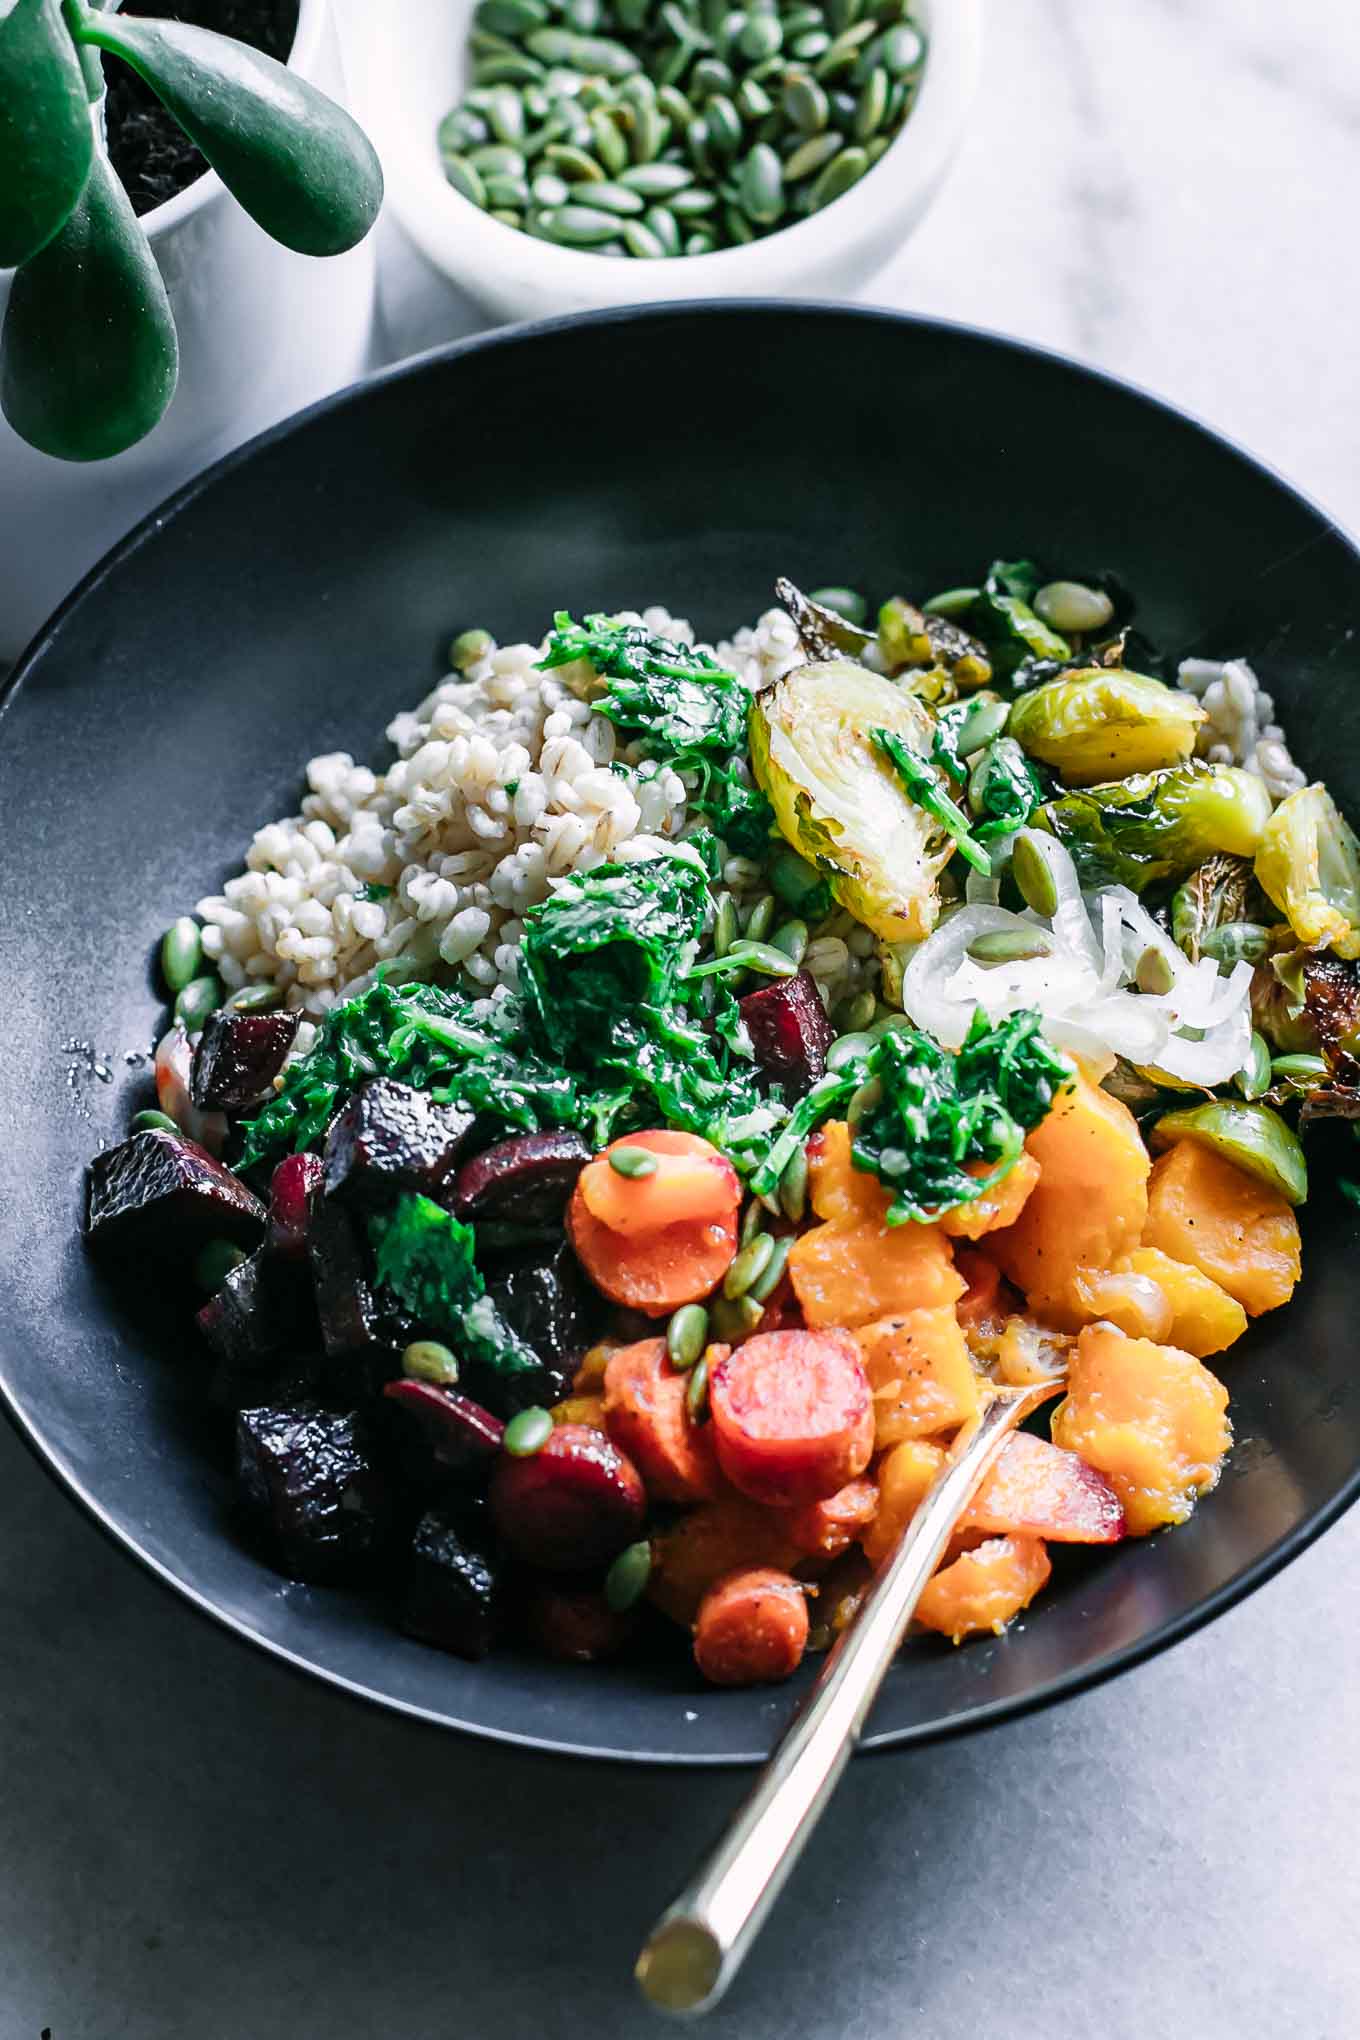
(153, 157)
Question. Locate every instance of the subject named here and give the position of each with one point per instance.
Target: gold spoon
(698, 1944)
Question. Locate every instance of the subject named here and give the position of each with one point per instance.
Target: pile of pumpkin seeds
(631, 128)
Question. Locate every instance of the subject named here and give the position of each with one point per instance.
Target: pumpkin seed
(813, 155)
(665, 227)
(854, 1013)
(510, 17)
(872, 109)
(844, 50)
(196, 1000)
(1033, 875)
(657, 180)
(527, 1433)
(902, 49)
(1153, 971)
(1254, 1076)
(732, 1317)
(513, 70)
(806, 104)
(753, 101)
(504, 193)
(610, 147)
(760, 920)
(671, 102)
(839, 175)
(814, 43)
(506, 115)
(696, 1391)
(152, 1122)
(843, 14)
(692, 204)
(573, 163)
(765, 1285)
(1305, 1072)
(700, 242)
(461, 130)
(584, 15)
(464, 179)
(951, 602)
(181, 953)
(428, 1360)
(793, 1185)
(799, 20)
(847, 1049)
(632, 1162)
(508, 216)
(739, 228)
(579, 226)
(763, 958)
(847, 602)
(255, 999)
(468, 647)
(642, 242)
(792, 938)
(1070, 606)
(696, 141)
(724, 124)
(748, 1266)
(626, 1581)
(615, 198)
(496, 159)
(753, 1218)
(1009, 945)
(865, 1100)
(1236, 942)
(761, 181)
(548, 189)
(762, 37)
(687, 1335)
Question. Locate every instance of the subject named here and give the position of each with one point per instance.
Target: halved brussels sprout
(1158, 825)
(1309, 865)
(1251, 1137)
(838, 800)
(1103, 723)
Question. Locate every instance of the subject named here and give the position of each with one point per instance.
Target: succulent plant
(88, 354)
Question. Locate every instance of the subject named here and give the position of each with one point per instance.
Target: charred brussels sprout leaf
(1157, 826)
(1212, 897)
(1003, 790)
(1104, 722)
(1252, 1137)
(1015, 638)
(1308, 863)
(839, 802)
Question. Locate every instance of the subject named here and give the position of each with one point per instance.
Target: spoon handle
(698, 1944)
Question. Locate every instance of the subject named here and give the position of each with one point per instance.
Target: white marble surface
(199, 1847)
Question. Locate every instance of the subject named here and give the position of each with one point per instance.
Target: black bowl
(292, 599)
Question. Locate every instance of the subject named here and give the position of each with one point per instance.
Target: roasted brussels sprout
(1102, 723)
(839, 802)
(1251, 1137)
(1308, 863)
(1015, 637)
(1158, 825)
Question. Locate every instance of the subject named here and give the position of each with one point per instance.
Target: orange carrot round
(645, 1414)
(655, 1241)
(752, 1628)
(793, 1416)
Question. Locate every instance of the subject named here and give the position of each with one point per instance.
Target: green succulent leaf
(302, 169)
(88, 356)
(46, 141)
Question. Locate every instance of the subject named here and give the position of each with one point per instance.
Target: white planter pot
(262, 331)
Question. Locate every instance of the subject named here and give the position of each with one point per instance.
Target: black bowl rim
(1066, 1685)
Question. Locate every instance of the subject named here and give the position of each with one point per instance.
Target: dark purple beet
(789, 1030)
(163, 1197)
(363, 1339)
(238, 1057)
(307, 1479)
(293, 1189)
(571, 1506)
(460, 1433)
(453, 1588)
(525, 1180)
(575, 1623)
(389, 1138)
(264, 1308)
(543, 1296)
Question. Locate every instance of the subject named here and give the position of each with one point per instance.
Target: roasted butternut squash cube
(1000, 1206)
(1205, 1211)
(849, 1273)
(1204, 1318)
(838, 1190)
(718, 1537)
(984, 1588)
(921, 1374)
(1151, 1418)
(1088, 1206)
(904, 1474)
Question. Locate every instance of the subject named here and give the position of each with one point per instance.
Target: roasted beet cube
(461, 1435)
(162, 1197)
(307, 1480)
(389, 1138)
(525, 1180)
(293, 1189)
(363, 1339)
(571, 1506)
(789, 1030)
(238, 1057)
(575, 1623)
(543, 1296)
(453, 1589)
(264, 1307)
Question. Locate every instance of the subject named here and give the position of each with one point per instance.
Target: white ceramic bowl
(412, 69)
